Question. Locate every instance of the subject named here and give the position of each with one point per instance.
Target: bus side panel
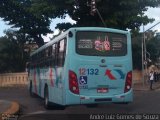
(33, 80)
(55, 86)
(43, 78)
(42, 81)
(72, 99)
(53, 81)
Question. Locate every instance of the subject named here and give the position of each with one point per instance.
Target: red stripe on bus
(51, 77)
(110, 75)
(35, 84)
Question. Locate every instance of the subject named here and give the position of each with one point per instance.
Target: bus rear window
(101, 43)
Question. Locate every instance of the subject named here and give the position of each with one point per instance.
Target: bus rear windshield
(92, 43)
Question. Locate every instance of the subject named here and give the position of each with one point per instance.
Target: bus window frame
(61, 58)
(108, 55)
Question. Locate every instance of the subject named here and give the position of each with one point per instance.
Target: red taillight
(128, 83)
(73, 83)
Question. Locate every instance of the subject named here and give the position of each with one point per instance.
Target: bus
(84, 65)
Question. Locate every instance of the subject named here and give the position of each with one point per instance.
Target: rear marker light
(74, 88)
(73, 82)
(128, 83)
(128, 87)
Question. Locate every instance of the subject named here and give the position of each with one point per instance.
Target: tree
(19, 14)
(137, 52)
(13, 57)
(119, 14)
(33, 16)
(153, 48)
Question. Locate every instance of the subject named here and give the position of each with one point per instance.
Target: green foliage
(12, 55)
(33, 16)
(153, 47)
(137, 57)
(19, 14)
(119, 14)
(137, 52)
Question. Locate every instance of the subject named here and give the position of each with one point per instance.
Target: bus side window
(50, 51)
(64, 52)
(53, 54)
(43, 62)
(41, 59)
(46, 52)
(50, 55)
(61, 53)
(56, 54)
(47, 61)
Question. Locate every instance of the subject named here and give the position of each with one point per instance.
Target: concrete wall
(20, 79)
(13, 79)
(137, 76)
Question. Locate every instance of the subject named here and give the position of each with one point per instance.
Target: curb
(141, 89)
(146, 88)
(12, 110)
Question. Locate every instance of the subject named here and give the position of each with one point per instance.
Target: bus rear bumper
(123, 98)
(120, 98)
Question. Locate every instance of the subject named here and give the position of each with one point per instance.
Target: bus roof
(79, 29)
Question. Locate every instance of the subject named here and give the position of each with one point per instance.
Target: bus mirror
(70, 34)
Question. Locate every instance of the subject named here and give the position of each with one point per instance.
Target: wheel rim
(30, 89)
(46, 98)
(46, 101)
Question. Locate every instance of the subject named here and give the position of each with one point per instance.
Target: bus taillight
(73, 83)
(128, 83)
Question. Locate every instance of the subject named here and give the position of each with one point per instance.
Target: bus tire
(122, 103)
(31, 90)
(92, 105)
(49, 105)
(46, 98)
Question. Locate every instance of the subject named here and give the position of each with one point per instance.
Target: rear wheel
(123, 103)
(31, 90)
(92, 105)
(46, 98)
(50, 105)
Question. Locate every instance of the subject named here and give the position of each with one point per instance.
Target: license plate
(102, 90)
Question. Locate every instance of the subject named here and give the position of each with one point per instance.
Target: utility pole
(95, 10)
(143, 57)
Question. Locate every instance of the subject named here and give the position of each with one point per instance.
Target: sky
(151, 13)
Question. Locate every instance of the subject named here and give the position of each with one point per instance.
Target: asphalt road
(145, 102)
